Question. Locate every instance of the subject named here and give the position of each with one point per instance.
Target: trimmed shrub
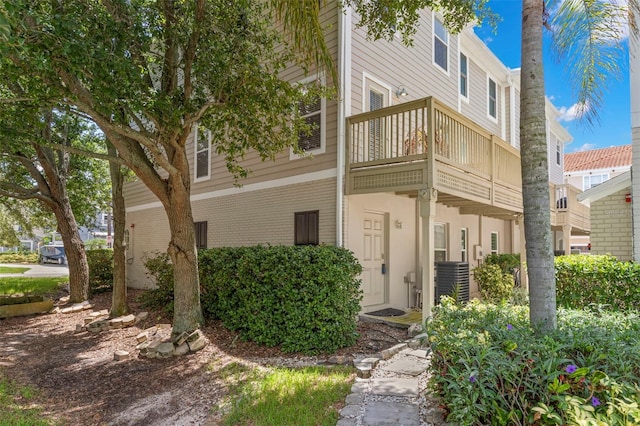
(506, 261)
(19, 257)
(100, 270)
(302, 298)
(597, 281)
(490, 368)
(495, 285)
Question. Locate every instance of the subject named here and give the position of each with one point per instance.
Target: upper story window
(464, 76)
(313, 111)
(202, 169)
(593, 180)
(558, 152)
(377, 97)
(440, 44)
(492, 101)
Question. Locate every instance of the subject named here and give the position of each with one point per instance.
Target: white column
(566, 239)
(524, 277)
(634, 77)
(427, 199)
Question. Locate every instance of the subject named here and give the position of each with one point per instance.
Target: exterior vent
(450, 275)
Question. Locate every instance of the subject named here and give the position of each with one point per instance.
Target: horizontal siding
(477, 109)
(556, 174)
(395, 65)
(136, 193)
(248, 218)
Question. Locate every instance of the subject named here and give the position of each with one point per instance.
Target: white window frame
(464, 244)
(444, 249)
(464, 97)
(495, 237)
(495, 100)
(558, 152)
(323, 122)
(197, 178)
(445, 42)
(586, 180)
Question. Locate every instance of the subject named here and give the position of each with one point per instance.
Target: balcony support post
(524, 277)
(566, 238)
(427, 198)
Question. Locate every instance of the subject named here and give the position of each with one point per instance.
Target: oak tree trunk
(119, 305)
(535, 172)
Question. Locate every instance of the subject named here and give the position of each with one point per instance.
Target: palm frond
(588, 36)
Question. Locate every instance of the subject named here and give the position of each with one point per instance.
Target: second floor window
(593, 180)
(202, 144)
(464, 76)
(440, 44)
(558, 153)
(493, 99)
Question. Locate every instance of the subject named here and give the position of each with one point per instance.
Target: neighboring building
(634, 77)
(587, 169)
(611, 217)
(417, 163)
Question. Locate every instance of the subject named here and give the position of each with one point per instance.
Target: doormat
(389, 312)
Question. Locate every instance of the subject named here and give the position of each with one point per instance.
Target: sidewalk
(394, 394)
(37, 270)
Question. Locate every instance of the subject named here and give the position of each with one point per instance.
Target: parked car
(53, 254)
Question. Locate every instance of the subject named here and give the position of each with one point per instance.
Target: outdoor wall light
(401, 92)
(398, 224)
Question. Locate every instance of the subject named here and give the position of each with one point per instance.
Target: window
(312, 111)
(440, 242)
(306, 228)
(464, 76)
(376, 127)
(202, 144)
(440, 44)
(493, 103)
(593, 180)
(201, 234)
(558, 152)
(463, 245)
(494, 243)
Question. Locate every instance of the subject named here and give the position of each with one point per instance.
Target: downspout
(344, 105)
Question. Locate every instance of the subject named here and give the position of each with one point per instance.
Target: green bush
(95, 244)
(597, 280)
(495, 285)
(490, 368)
(303, 298)
(100, 270)
(506, 261)
(19, 257)
(160, 271)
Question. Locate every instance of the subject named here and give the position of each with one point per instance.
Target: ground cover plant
(18, 257)
(490, 368)
(284, 396)
(33, 286)
(13, 270)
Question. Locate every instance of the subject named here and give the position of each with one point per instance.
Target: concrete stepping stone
(391, 413)
(420, 353)
(386, 386)
(411, 366)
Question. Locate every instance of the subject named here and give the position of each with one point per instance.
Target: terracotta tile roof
(605, 158)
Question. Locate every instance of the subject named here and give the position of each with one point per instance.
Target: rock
(151, 330)
(182, 349)
(142, 336)
(198, 344)
(120, 355)
(181, 338)
(340, 359)
(364, 369)
(116, 322)
(194, 336)
(66, 310)
(414, 330)
(88, 320)
(55, 310)
(142, 347)
(80, 328)
(414, 343)
(77, 308)
(128, 320)
(165, 350)
(142, 316)
(63, 300)
(163, 326)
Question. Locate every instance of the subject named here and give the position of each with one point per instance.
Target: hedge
(100, 270)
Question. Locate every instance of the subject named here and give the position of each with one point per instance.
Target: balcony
(424, 144)
(566, 210)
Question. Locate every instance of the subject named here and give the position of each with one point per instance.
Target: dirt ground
(79, 382)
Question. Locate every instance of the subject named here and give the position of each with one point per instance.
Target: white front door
(373, 259)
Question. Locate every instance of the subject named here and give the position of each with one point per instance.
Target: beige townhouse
(416, 169)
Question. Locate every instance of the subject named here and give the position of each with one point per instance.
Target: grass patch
(35, 286)
(284, 396)
(13, 270)
(16, 406)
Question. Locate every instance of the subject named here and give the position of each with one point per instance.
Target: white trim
(344, 105)
(323, 123)
(512, 111)
(503, 113)
(365, 94)
(606, 188)
(433, 44)
(269, 184)
(195, 156)
(489, 116)
(460, 95)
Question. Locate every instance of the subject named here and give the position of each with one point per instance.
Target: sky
(614, 126)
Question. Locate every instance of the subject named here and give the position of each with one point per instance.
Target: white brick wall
(611, 225)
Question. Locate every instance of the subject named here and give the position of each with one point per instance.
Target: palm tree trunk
(535, 172)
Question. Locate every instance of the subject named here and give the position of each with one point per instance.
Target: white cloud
(488, 40)
(574, 111)
(586, 147)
